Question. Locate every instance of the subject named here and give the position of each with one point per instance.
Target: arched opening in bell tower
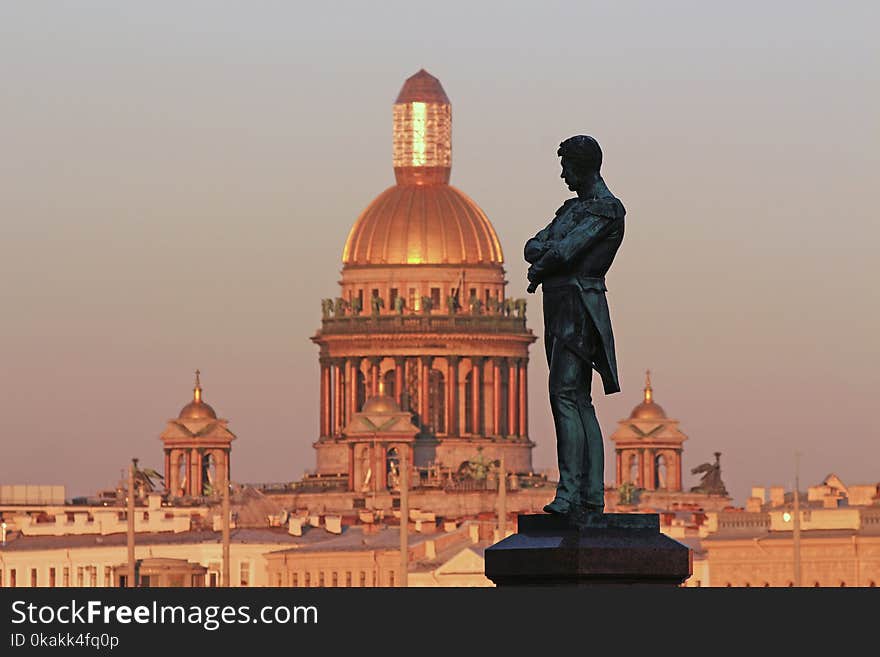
(660, 472)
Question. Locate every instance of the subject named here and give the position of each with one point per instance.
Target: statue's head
(581, 161)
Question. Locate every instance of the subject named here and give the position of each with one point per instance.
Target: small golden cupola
(197, 409)
(648, 409)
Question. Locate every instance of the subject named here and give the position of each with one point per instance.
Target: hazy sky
(177, 180)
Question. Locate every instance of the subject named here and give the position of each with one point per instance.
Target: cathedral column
(171, 475)
(352, 387)
(452, 426)
(425, 388)
(476, 397)
(324, 410)
(373, 390)
(496, 397)
(641, 475)
(511, 397)
(195, 472)
(339, 396)
(398, 380)
(221, 457)
(674, 469)
(650, 478)
(619, 478)
(523, 397)
(168, 470)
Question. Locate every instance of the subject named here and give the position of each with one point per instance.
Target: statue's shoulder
(565, 207)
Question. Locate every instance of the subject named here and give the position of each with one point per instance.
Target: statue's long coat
(576, 250)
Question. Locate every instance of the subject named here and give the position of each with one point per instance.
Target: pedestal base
(611, 549)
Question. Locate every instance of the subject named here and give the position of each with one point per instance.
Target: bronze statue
(339, 307)
(520, 305)
(427, 305)
(399, 304)
(376, 304)
(326, 308)
(476, 305)
(452, 304)
(570, 258)
(711, 482)
(507, 307)
(356, 306)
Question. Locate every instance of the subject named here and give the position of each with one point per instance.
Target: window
(392, 296)
(245, 573)
(12, 578)
(108, 573)
(321, 578)
(307, 580)
(361, 298)
(363, 578)
(52, 583)
(348, 579)
(33, 578)
(391, 578)
(334, 582)
(411, 303)
(66, 575)
(80, 575)
(295, 581)
(278, 579)
(435, 297)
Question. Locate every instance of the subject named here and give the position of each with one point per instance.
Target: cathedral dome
(380, 404)
(648, 409)
(197, 409)
(422, 224)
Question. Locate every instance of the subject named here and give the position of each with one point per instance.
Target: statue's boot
(558, 507)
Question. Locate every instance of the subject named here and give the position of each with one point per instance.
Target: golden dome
(197, 409)
(648, 409)
(380, 404)
(419, 225)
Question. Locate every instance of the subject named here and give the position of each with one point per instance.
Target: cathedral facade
(421, 323)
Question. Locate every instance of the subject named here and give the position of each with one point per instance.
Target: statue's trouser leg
(578, 437)
(593, 482)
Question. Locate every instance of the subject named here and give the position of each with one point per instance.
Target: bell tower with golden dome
(648, 446)
(422, 312)
(197, 449)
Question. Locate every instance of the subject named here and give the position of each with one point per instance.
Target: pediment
(204, 429)
(381, 422)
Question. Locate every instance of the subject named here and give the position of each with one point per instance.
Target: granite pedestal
(607, 549)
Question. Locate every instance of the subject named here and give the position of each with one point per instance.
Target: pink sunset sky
(178, 180)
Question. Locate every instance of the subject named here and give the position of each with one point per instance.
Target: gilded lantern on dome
(422, 143)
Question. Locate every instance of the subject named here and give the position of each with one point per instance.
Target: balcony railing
(424, 324)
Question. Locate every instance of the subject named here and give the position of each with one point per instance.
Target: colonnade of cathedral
(189, 469)
(449, 395)
(650, 468)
